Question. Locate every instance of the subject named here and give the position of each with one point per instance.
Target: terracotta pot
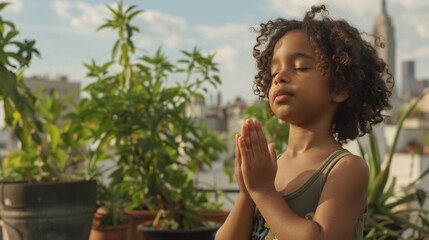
(98, 216)
(109, 232)
(137, 217)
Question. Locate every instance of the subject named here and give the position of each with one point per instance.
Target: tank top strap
(330, 163)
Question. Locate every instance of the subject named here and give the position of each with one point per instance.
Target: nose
(280, 78)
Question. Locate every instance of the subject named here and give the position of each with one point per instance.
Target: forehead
(293, 41)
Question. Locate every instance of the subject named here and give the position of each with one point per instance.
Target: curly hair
(350, 62)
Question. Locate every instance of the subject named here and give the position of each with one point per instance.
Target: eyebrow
(294, 56)
(302, 54)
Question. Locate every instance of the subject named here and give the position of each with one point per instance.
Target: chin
(282, 115)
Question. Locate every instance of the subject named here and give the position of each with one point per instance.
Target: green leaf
(36, 138)
(54, 134)
(389, 192)
(405, 221)
(2, 5)
(401, 122)
(115, 49)
(379, 184)
(133, 14)
(421, 196)
(374, 152)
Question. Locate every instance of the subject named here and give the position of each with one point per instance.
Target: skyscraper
(409, 83)
(384, 29)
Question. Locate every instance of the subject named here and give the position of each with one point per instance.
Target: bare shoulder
(351, 171)
(351, 165)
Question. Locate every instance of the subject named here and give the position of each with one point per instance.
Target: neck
(308, 138)
(302, 140)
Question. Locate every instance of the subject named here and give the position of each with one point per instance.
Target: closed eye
(274, 75)
(302, 69)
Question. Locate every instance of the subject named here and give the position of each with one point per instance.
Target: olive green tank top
(304, 200)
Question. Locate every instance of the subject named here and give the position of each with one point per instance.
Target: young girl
(329, 84)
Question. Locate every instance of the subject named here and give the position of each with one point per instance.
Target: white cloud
(162, 28)
(83, 17)
(226, 31)
(162, 23)
(420, 53)
(297, 8)
(15, 6)
(418, 21)
(293, 8)
(62, 8)
(90, 16)
(172, 40)
(86, 18)
(227, 56)
(144, 42)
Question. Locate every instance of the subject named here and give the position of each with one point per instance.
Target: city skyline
(66, 37)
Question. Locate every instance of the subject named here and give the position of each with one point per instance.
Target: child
(328, 83)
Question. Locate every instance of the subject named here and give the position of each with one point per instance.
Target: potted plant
(139, 110)
(40, 198)
(383, 218)
(110, 222)
(213, 208)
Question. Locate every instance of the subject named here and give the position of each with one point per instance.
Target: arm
(238, 224)
(340, 204)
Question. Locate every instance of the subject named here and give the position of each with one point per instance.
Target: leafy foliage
(47, 150)
(111, 200)
(384, 219)
(142, 118)
(60, 148)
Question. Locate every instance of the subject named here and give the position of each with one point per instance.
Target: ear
(339, 96)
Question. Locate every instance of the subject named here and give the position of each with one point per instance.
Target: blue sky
(65, 32)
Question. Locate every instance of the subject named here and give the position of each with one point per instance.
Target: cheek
(269, 94)
(270, 100)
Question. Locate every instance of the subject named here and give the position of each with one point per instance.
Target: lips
(283, 93)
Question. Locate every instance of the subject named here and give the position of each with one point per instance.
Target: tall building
(383, 28)
(409, 83)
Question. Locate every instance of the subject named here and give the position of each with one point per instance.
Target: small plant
(56, 152)
(50, 144)
(111, 200)
(384, 217)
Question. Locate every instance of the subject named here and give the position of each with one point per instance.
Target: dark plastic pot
(138, 217)
(49, 211)
(203, 233)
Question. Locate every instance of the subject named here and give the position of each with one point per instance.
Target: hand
(258, 159)
(237, 170)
